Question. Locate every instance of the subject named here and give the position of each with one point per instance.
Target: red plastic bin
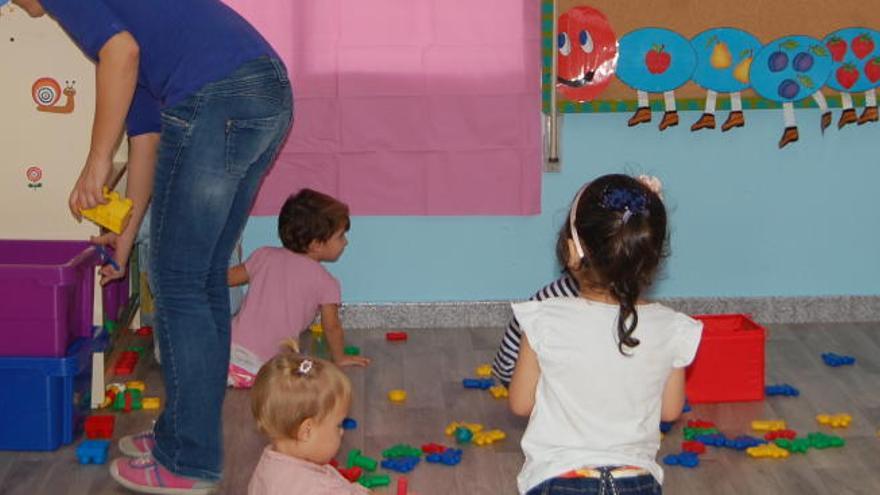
(729, 366)
(46, 295)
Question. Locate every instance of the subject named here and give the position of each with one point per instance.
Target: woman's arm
(525, 380)
(336, 339)
(115, 80)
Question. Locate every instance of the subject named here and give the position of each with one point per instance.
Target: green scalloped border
(604, 106)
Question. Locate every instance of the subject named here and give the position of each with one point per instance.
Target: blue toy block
(835, 360)
(349, 424)
(666, 426)
(480, 383)
(781, 389)
(687, 406)
(683, 459)
(449, 457)
(401, 464)
(92, 451)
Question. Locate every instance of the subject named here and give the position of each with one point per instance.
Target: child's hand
(346, 360)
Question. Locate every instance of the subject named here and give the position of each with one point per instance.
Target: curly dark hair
(310, 216)
(623, 240)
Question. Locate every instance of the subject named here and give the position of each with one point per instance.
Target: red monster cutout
(587, 54)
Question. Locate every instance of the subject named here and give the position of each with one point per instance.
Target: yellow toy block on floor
(768, 425)
(397, 396)
(488, 437)
(135, 384)
(767, 450)
(841, 420)
(113, 216)
(150, 402)
(498, 391)
(484, 371)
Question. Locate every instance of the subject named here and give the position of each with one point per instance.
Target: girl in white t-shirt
(597, 373)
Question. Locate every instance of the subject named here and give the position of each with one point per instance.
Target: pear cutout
(741, 71)
(721, 58)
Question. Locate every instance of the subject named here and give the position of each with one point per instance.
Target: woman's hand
(121, 251)
(88, 192)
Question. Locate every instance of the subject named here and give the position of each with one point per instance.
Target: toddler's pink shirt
(284, 294)
(279, 474)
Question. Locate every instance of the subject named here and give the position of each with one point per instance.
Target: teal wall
(747, 219)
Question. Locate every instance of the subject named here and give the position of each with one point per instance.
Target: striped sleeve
(508, 351)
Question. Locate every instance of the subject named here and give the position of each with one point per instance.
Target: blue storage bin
(44, 401)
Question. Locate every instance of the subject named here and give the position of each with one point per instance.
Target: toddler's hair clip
(629, 201)
(305, 367)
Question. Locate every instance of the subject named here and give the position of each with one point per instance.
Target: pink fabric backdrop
(409, 107)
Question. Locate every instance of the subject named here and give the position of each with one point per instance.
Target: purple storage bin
(46, 295)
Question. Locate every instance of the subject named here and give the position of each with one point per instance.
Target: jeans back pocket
(247, 140)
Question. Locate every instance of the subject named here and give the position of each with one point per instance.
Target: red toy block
(699, 423)
(351, 474)
(126, 363)
(396, 336)
(334, 463)
(693, 446)
(729, 366)
(433, 448)
(773, 435)
(144, 331)
(402, 485)
(100, 426)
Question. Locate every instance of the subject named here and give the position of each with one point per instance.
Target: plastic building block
(498, 391)
(150, 403)
(139, 349)
(100, 426)
(488, 437)
(351, 474)
(480, 383)
(835, 360)
(666, 426)
(783, 389)
(126, 363)
(840, 420)
(449, 457)
(402, 485)
(135, 384)
(768, 425)
(821, 441)
(396, 336)
(352, 350)
(687, 406)
(113, 215)
(769, 450)
(106, 257)
(92, 451)
(693, 446)
(773, 435)
(349, 424)
(317, 329)
(374, 480)
(483, 371)
(355, 458)
(699, 423)
(128, 401)
(144, 331)
(463, 435)
(401, 464)
(433, 448)
(474, 427)
(684, 459)
(793, 445)
(402, 450)
(692, 433)
(397, 396)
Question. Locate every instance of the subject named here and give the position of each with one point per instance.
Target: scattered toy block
(401, 464)
(773, 435)
(835, 360)
(768, 425)
(478, 383)
(402, 485)
(126, 363)
(499, 391)
(352, 350)
(463, 435)
(375, 480)
(793, 445)
(699, 423)
(92, 451)
(819, 440)
(488, 437)
(401, 450)
(769, 450)
(100, 426)
(135, 384)
(693, 446)
(666, 426)
(484, 371)
(355, 458)
(692, 433)
(449, 457)
(783, 389)
(396, 336)
(349, 424)
(840, 420)
(683, 459)
(112, 215)
(144, 331)
(397, 396)
(150, 403)
(433, 448)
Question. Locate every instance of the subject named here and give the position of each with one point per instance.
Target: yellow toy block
(397, 396)
(768, 425)
(474, 427)
(317, 329)
(498, 391)
(488, 437)
(136, 384)
(150, 403)
(484, 371)
(840, 420)
(770, 450)
(112, 216)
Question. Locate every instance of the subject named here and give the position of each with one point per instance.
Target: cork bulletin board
(765, 21)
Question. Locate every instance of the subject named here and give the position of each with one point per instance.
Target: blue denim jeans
(635, 485)
(214, 150)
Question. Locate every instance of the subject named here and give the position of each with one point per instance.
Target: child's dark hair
(620, 224)
(310, 216)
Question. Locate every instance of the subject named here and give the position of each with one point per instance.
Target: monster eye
(564, 44)
(586, 41)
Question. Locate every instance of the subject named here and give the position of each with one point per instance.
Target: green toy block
(797, 445)
(402, 450)
(355, 458)
(138, 349)
(352, 350)
(374, 480)
(692, 433)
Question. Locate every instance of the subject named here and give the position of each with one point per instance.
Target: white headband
(571, 214)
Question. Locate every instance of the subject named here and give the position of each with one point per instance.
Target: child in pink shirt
(299, 403)
(288, 286)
